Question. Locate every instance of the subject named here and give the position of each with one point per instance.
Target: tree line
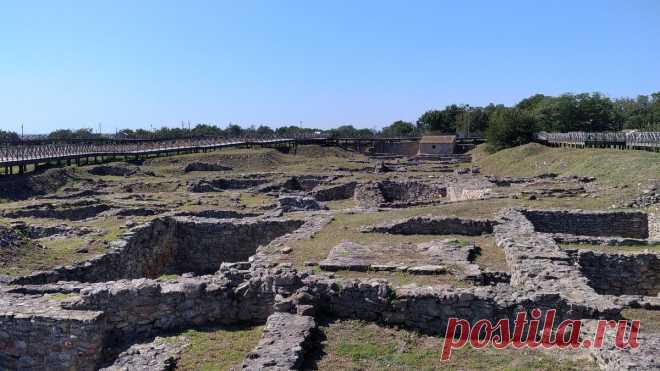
(502, 126)
(511, 126)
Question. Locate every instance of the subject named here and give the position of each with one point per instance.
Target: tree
(641, 113)
(264, 130)
(570, 112)
(8, 136)
(84, 134)
(294, 130)
(346, 131)
(207, 130)
(531, 103)
(61, 134)
(510, 127)
(435, 121)
(399, 129)
(234, 130)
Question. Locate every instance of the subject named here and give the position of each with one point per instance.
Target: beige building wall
(436, 148)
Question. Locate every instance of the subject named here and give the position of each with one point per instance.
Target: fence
(622, 140)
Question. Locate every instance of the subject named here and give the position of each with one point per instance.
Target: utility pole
(22, 136)
(468, 124)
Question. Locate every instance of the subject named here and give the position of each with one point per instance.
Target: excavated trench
(620, 274)
(172, 245)
(124, 311)
(607, 273)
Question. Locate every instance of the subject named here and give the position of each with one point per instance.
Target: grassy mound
(608, 165)
(21, 187)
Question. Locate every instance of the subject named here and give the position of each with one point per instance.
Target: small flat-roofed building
(437, 145)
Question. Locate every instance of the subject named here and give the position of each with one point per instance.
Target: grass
(340, 204)
(62, 251)
(624, 167)
(345, 227)
(649, 319)
(215, 349)
(398, 279)
(167, 277)
(62, 297)
(254, 200)
(55, 252)
(356, 345)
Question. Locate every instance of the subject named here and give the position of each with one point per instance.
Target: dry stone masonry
(172, 246)
(108, 312)
(434, 225)
(590, 223)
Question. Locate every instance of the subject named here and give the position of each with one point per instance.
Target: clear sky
(134, 64)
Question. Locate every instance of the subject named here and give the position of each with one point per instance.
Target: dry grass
(215, 349)
(345, 227)
(355, 345)
(607, 165)
(649, 319)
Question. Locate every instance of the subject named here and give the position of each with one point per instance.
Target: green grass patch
(54, 253)
(345, 227)
(167, 277)
(62, 297)
(355, 345)
(217, 349)
(607, 165)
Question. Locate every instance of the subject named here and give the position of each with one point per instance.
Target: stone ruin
(72, 211)
(115, 306)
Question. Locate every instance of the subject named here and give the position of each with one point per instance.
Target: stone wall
(538, 265)
(621, 274)
(654, 225)
(74, 213)
(77, 334)
(172, 246)
(386, 193)
(403, 148)
(463, 194)
(220, 184)
(217, 214)
(37, 335)
(590, 223)
(427, 309)
(285, 340)
(338, 192)
(434, 225)
(411, 191)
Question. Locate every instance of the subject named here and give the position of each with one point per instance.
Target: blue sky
(67, 64)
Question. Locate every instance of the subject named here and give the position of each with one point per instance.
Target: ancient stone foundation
(621, 274)
(172, 246)
(434, 225)
(388, 193)
(590, 223)
(110, 317)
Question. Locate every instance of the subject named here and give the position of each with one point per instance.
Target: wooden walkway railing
(21, 155)
(649, 141)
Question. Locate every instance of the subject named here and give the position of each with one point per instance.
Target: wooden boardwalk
(21, 155)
